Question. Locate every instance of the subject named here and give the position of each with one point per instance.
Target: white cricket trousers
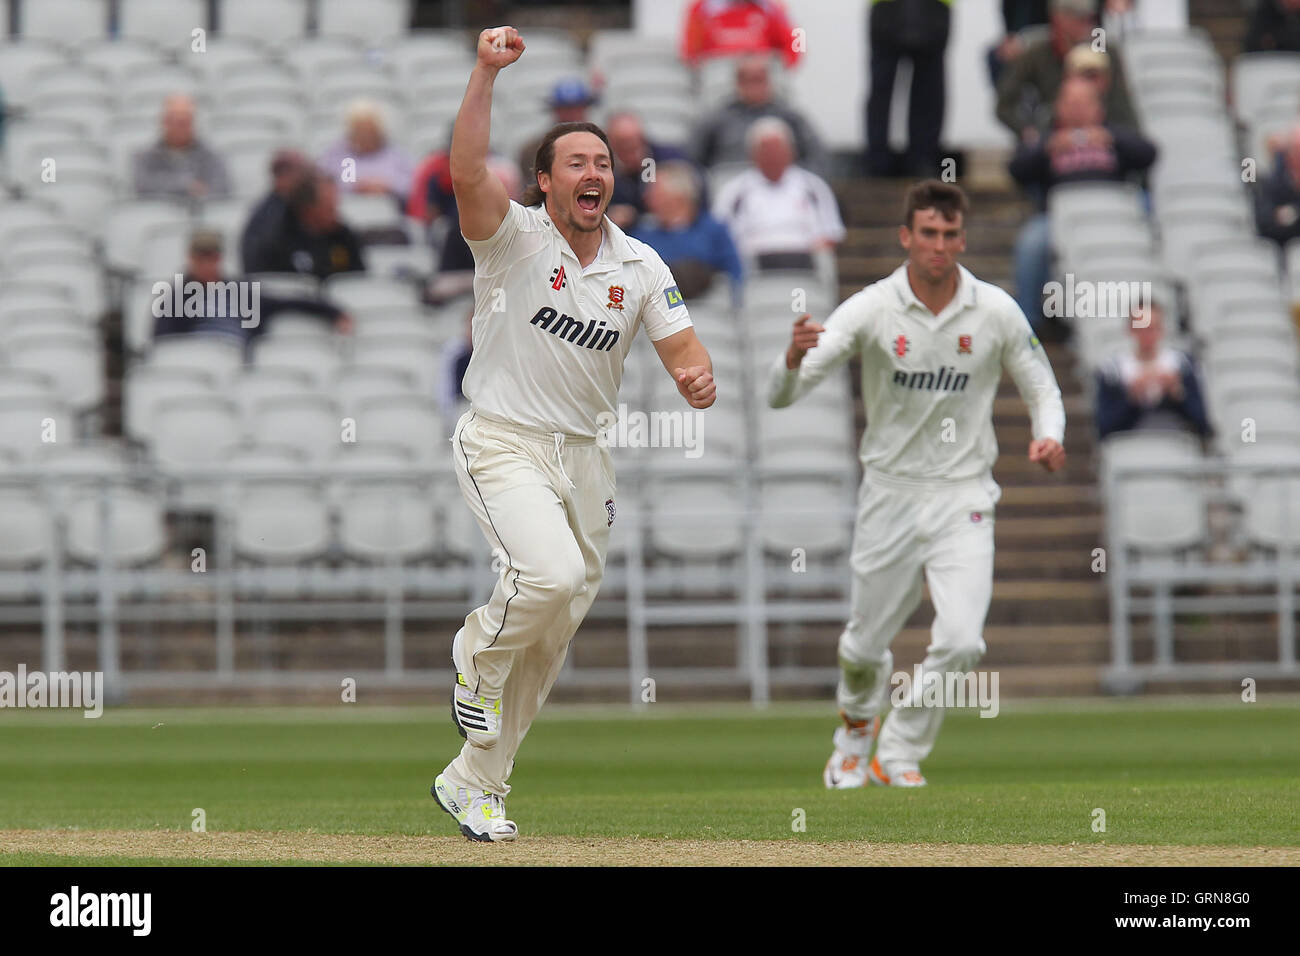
(545, 501)
(904, 528)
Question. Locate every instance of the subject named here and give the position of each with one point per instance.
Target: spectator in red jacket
(731, 27)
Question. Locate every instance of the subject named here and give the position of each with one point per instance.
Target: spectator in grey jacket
(720, 138)
(180, 166)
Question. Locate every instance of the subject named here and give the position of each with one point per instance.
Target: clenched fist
(499, 47)
(696, 385)
(1048, 453)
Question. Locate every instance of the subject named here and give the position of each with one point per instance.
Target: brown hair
(533, 195)
(948, 199)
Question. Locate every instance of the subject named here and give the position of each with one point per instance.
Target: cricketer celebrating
(559, 294)
(933, 341)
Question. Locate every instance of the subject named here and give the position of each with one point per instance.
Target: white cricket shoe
(480, 815)
(898, 776)
(477, 718)
(847, 766)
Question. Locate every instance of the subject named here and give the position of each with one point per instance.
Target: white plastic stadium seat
(383, 518)
(119, 58)
(81, 276)
(1254, 73)
(218, 355)
(700, 521)
(1160, 512)
(412, 421)
(249, 386)
(374, 459)
(269, 21)
(19, 60)
(169, 23)
(25, 383)
(136, 530)
(372, 22)
(309, 423)
(805, 513)
(191, 432)
(279, 521)
(64, 21)
(363, 212)
(354, 384)
(26, 528)
(418, 355)
(146, 386)
(83, 197)
(26, 423)
(75, 362)
(317, 358)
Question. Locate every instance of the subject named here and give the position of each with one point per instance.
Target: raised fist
(499, 46)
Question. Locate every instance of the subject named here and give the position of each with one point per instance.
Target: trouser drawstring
(559, 457)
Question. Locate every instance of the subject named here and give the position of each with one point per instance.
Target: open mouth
(589, 199)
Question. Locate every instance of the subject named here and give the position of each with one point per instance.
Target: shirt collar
(614, 249)
(964, 297)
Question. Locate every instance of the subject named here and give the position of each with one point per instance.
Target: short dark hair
(533, 195)
(306, 191)
(947, 198)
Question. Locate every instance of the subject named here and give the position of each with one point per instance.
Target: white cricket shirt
(928, 381)
(549, 336)
(789, 215)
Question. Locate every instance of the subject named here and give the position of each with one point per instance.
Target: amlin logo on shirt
(66, 689)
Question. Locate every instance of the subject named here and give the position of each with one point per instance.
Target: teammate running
(559, 294)
(933, 341)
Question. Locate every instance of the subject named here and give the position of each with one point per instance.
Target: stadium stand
(316, 475)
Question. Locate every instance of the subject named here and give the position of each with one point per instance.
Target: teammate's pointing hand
(499, 46)
(804, 337)
(696, 385)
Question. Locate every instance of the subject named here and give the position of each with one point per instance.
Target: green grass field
(1178, 773)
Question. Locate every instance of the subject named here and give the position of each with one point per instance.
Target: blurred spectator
(1120, 18)
(1275, 25)
(916, 30)
(570, 102)
(1277, 197)
(179, 166)
(311, 237)
(1091, 65)
(727, 27)
(455, 360)
(1030, 84)
(376, 166)
(288, 167)
(778, 213)
(455, 272)
(1153, 386)
(694, 244)
(720, 138)
(1083, 148)
(431, 193)
(634, 159)
(220, 313)
(1018, 16)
